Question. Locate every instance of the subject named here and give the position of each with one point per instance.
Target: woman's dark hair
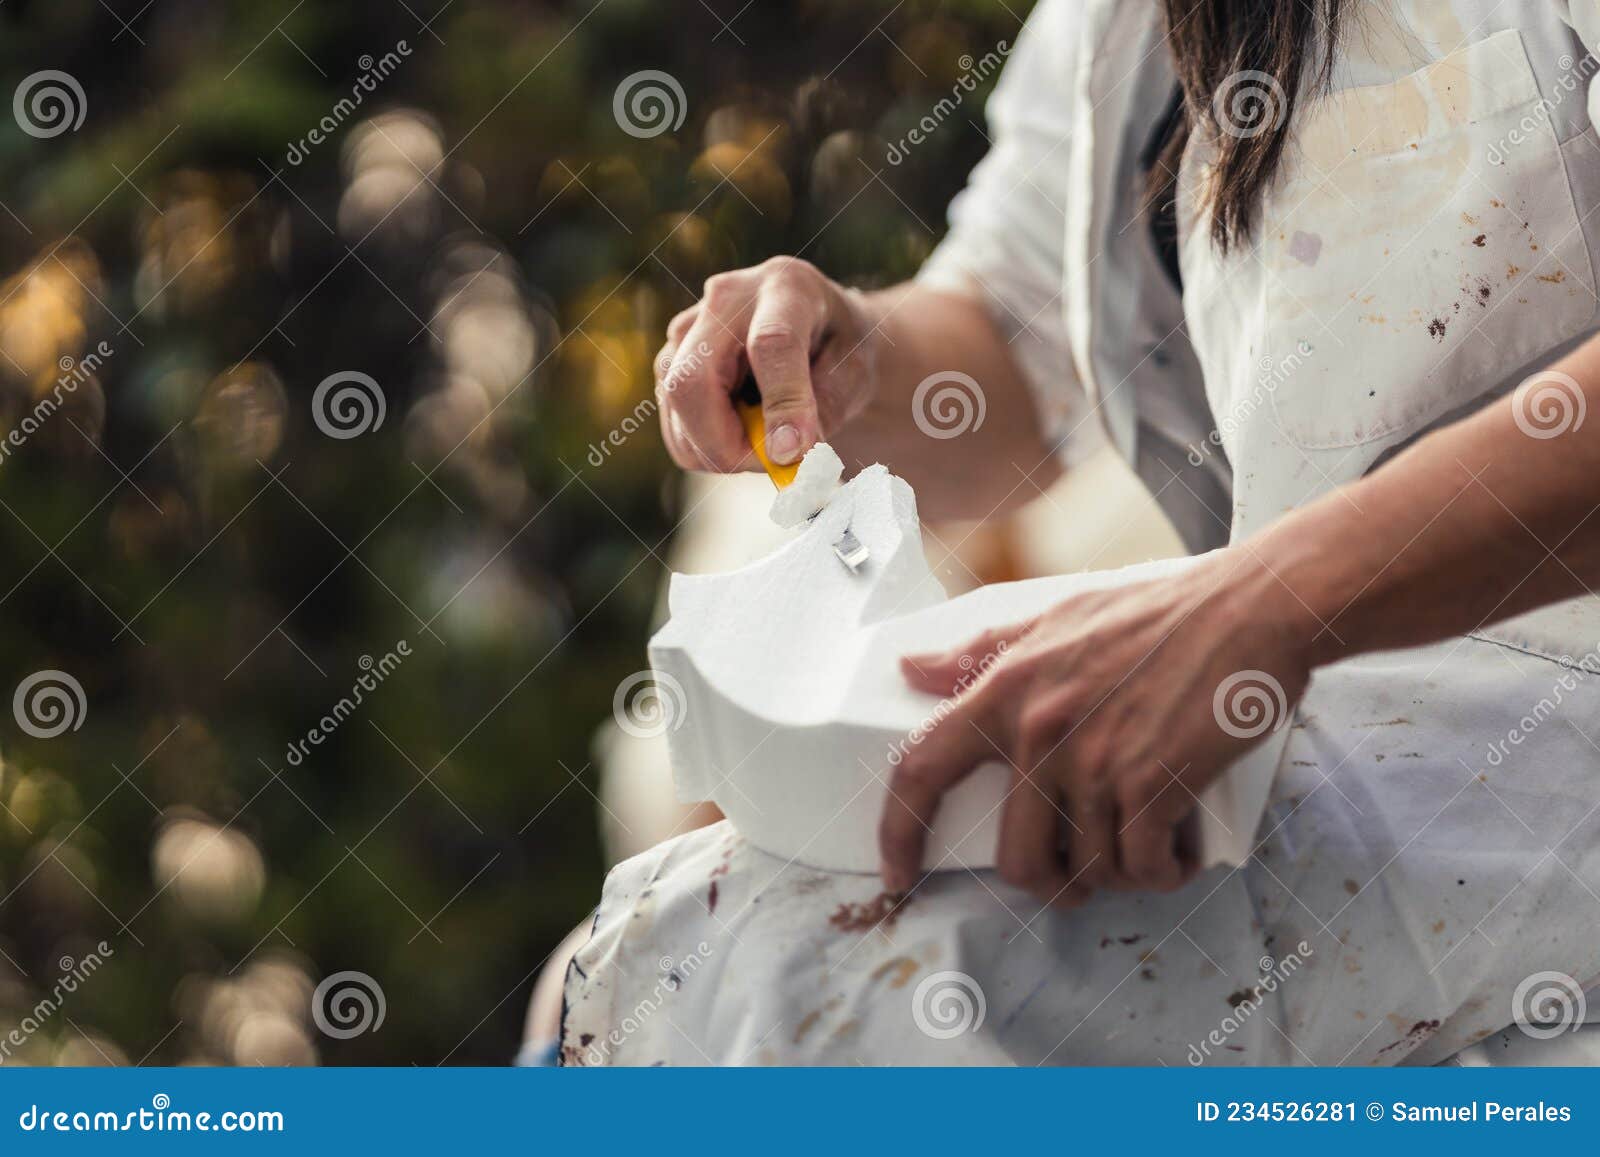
(1244, 66)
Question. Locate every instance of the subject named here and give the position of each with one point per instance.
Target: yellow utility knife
(747, 401)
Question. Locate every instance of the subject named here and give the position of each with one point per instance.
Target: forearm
(960, 466)
(1476, 523)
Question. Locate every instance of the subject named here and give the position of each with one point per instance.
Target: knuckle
(912, 777)
(720, 290)
(773, 341)
(1040, 724)
(1136, 792)
(789, 268)
(681, 323)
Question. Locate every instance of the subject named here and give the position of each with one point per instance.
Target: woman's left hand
(1114, 710)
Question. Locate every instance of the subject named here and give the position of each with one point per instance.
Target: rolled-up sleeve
(1007, 227)
(1584, 18)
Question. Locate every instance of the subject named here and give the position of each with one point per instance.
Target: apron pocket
(1425, 237)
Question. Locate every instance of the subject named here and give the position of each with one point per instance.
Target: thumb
(779, 350)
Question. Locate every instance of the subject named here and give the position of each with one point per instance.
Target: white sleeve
(1006, 244)
(1584, 17)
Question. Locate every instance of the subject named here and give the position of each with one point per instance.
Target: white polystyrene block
(792, 700)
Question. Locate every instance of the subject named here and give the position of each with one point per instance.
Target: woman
(1324, 273)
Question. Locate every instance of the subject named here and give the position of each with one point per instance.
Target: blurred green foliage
(483, 240)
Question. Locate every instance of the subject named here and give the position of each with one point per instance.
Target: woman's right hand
(810, 343)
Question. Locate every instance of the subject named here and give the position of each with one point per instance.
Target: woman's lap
(1413, 867)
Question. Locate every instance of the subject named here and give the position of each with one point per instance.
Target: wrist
(1284, 598)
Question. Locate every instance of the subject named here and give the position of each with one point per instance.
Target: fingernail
(783, 444)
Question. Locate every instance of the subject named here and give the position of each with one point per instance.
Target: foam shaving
(815, 483)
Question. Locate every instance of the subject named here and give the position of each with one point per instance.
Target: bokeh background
(479, 235)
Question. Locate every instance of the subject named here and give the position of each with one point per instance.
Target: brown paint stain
(1480, 240)
(1555, 278)
(806, 1025)
(1352, 887)
(903, 967)
(1437, 328)
(1415, 1035)
(711, 899)
(1438, 927)
(882, 910)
